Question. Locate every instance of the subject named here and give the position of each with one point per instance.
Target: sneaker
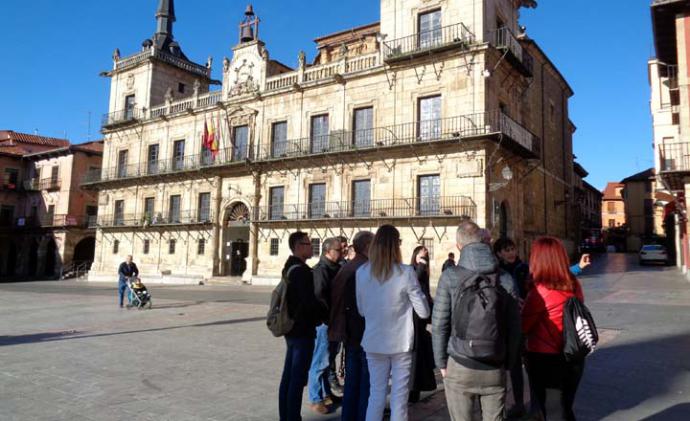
(328, 401)
(319, 408)
(336, 389)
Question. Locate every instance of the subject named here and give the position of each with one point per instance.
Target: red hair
(548, 264)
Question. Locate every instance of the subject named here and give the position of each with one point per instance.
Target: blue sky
(53, 50)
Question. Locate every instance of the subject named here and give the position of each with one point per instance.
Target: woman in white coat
(387, 293)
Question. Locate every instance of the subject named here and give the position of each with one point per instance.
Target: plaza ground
(204, 353)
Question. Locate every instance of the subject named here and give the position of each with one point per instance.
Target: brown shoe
(319, 408)
(328, 401)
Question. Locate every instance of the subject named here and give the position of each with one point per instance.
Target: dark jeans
(356, 396)
(121, 288)
(295, 375)
(518, 382)
(551, 371)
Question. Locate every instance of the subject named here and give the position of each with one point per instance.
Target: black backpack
(580, 334)
(479, 319)
(278, 319)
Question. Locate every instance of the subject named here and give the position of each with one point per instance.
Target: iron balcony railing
(674, 157)
(466, 126)
(123, 116)
(440, 206)
(427, 41)
(55, 220)
(42, 184)
(170, 166)
(156, 219)
(504, 39)
(444, 129)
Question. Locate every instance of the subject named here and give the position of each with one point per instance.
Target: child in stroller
(139, 296)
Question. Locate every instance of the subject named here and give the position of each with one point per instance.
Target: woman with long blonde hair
(387, 293)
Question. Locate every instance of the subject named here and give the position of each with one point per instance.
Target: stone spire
(165, 17)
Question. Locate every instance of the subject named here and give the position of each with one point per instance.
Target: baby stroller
(139, 296)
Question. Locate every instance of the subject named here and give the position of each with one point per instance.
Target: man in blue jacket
(127, 270)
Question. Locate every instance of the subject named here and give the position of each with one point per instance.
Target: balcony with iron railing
(157, 219)
(674, 157)
(468, 126)
(36, 184)
(53, 221)
(428, 207)
(154, 53)
(504, 39)
(426, 42)
(451, 128)
(122, 117)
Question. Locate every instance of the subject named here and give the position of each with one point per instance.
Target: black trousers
(551, 371)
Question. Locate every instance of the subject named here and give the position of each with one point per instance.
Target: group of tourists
(491, 313)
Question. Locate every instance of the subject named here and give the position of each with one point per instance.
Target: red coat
(542, 318)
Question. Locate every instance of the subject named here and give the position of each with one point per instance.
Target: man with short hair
(347, 326)
(450, 262)
(320, 386)
(307, 313)
(126, 271)
(467, 377)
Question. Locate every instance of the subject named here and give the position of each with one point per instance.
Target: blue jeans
(356, 395)
(121, 288)
(319, 387)
(295, 371)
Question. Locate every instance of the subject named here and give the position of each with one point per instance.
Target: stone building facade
(613, 206)
(43, 211)
(441, 111)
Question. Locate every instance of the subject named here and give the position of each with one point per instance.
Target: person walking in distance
(423, 378)
(324, 272)
(128, 269)
(387, 292)
(346, 325)
(542, 323)
(306, 312)
(450, 262)
(475, 329)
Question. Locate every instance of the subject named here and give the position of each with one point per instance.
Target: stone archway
(235, 247)
(84, 250)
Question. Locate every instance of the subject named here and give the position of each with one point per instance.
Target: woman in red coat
(542, 324)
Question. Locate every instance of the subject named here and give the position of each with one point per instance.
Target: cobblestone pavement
(203, 352)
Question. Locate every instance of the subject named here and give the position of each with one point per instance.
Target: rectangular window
(181, 87)
(611, 207)
(152, 166)
(122, 157)
(119, 214)
(129, 107)
(147, 246)
(363, 126)
(275, 242)
(91, 215)
(10, 179)
(276, 203)
(171, 246)
(317, 200)
(149, 208)
(279, 145)
(174, 209)
(319, 134)
(430, 33)
(116, 246)
(612, 223)
(6, 215)
(201, 247)
(204, 211)
(50, 215)
(316, 247)
(429, 194)
(240, 140)
(54, 173)
(429, 117)
(361, 198)
(178, 155)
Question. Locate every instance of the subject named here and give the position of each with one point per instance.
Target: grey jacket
(477, 258)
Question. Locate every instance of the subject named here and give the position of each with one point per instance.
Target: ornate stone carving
(169, 95)
(130, 81)
(301, 60)
(226, 64)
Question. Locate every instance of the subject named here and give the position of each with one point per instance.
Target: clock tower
(246, 72)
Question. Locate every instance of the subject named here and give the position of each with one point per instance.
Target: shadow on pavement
(622, 377)
(61, 336)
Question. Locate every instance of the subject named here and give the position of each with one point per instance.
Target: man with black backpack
(475, 322)
(295, 312)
